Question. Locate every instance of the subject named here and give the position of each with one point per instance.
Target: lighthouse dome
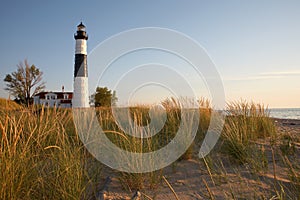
(81, 27)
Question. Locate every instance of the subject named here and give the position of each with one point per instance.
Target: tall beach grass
(42, 157)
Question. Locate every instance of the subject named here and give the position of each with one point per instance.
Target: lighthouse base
(81, 94)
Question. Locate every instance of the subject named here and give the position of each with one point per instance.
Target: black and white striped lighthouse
(81, 94)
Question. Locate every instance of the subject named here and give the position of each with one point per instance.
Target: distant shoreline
(290, 126)
(285, 113)
(290, 122)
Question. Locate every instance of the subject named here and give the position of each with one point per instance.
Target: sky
(255, 45)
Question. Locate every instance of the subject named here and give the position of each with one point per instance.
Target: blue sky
(254, 44)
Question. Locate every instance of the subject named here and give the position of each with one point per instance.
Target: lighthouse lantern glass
(80, 28)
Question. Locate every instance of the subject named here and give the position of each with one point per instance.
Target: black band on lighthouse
(80, 68)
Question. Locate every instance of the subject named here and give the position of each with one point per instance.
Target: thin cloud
(264, 76)
(250, 78)
(282, 73)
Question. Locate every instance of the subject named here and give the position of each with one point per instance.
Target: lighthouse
(81, 94)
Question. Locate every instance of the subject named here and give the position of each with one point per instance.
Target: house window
(66, 96)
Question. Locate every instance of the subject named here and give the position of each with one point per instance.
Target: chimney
(63, 88)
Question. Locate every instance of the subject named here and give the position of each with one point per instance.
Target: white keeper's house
(54, 99)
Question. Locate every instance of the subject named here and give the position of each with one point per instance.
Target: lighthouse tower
(81, 94)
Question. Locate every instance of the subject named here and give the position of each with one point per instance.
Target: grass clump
(245, 124)
(39, 158)
(138, 120)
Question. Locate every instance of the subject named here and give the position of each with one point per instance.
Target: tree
(104, 97)
(25, 83)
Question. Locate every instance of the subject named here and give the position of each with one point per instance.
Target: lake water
(285, 113)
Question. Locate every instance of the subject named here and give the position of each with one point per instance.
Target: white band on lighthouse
(80, 47)
(81, 96)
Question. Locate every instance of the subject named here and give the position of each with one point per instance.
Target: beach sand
(191, 179)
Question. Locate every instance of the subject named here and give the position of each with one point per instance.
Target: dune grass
(245, 124)
(121, 138)
(255, 151)
(42, 157)
(39, 158)
(6, 104)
